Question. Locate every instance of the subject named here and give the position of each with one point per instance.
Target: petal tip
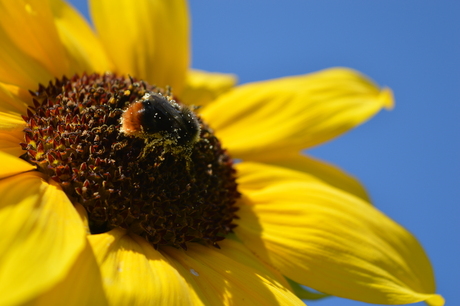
(386, 97)
(435, 300)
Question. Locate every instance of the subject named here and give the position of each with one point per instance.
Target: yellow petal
(11, 165)
(9, 142)
(81, 286)
(147, 40)
(30, 49)
(42, 236)
(10, 121)
(253, 176)
(81, 210)
(203, 87)
(134, 273)
(329, 240)
(11, 134)
(21, 95)
(231, 276)
(293, 113)
(10, 101)
(323, 171)
(85, 51)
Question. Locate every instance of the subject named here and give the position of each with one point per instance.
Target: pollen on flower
(134, 157)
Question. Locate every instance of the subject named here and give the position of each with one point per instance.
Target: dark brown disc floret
(134, 157)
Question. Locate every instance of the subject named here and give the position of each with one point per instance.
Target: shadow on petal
(231, 276)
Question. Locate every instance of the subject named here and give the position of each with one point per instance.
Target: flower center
(134, 158)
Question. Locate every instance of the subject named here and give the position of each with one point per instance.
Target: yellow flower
(299, 220)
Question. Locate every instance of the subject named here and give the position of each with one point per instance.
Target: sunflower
(129, 179)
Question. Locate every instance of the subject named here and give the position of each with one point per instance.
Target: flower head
(118, 182)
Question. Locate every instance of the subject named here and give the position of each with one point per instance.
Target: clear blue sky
(408, 158)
